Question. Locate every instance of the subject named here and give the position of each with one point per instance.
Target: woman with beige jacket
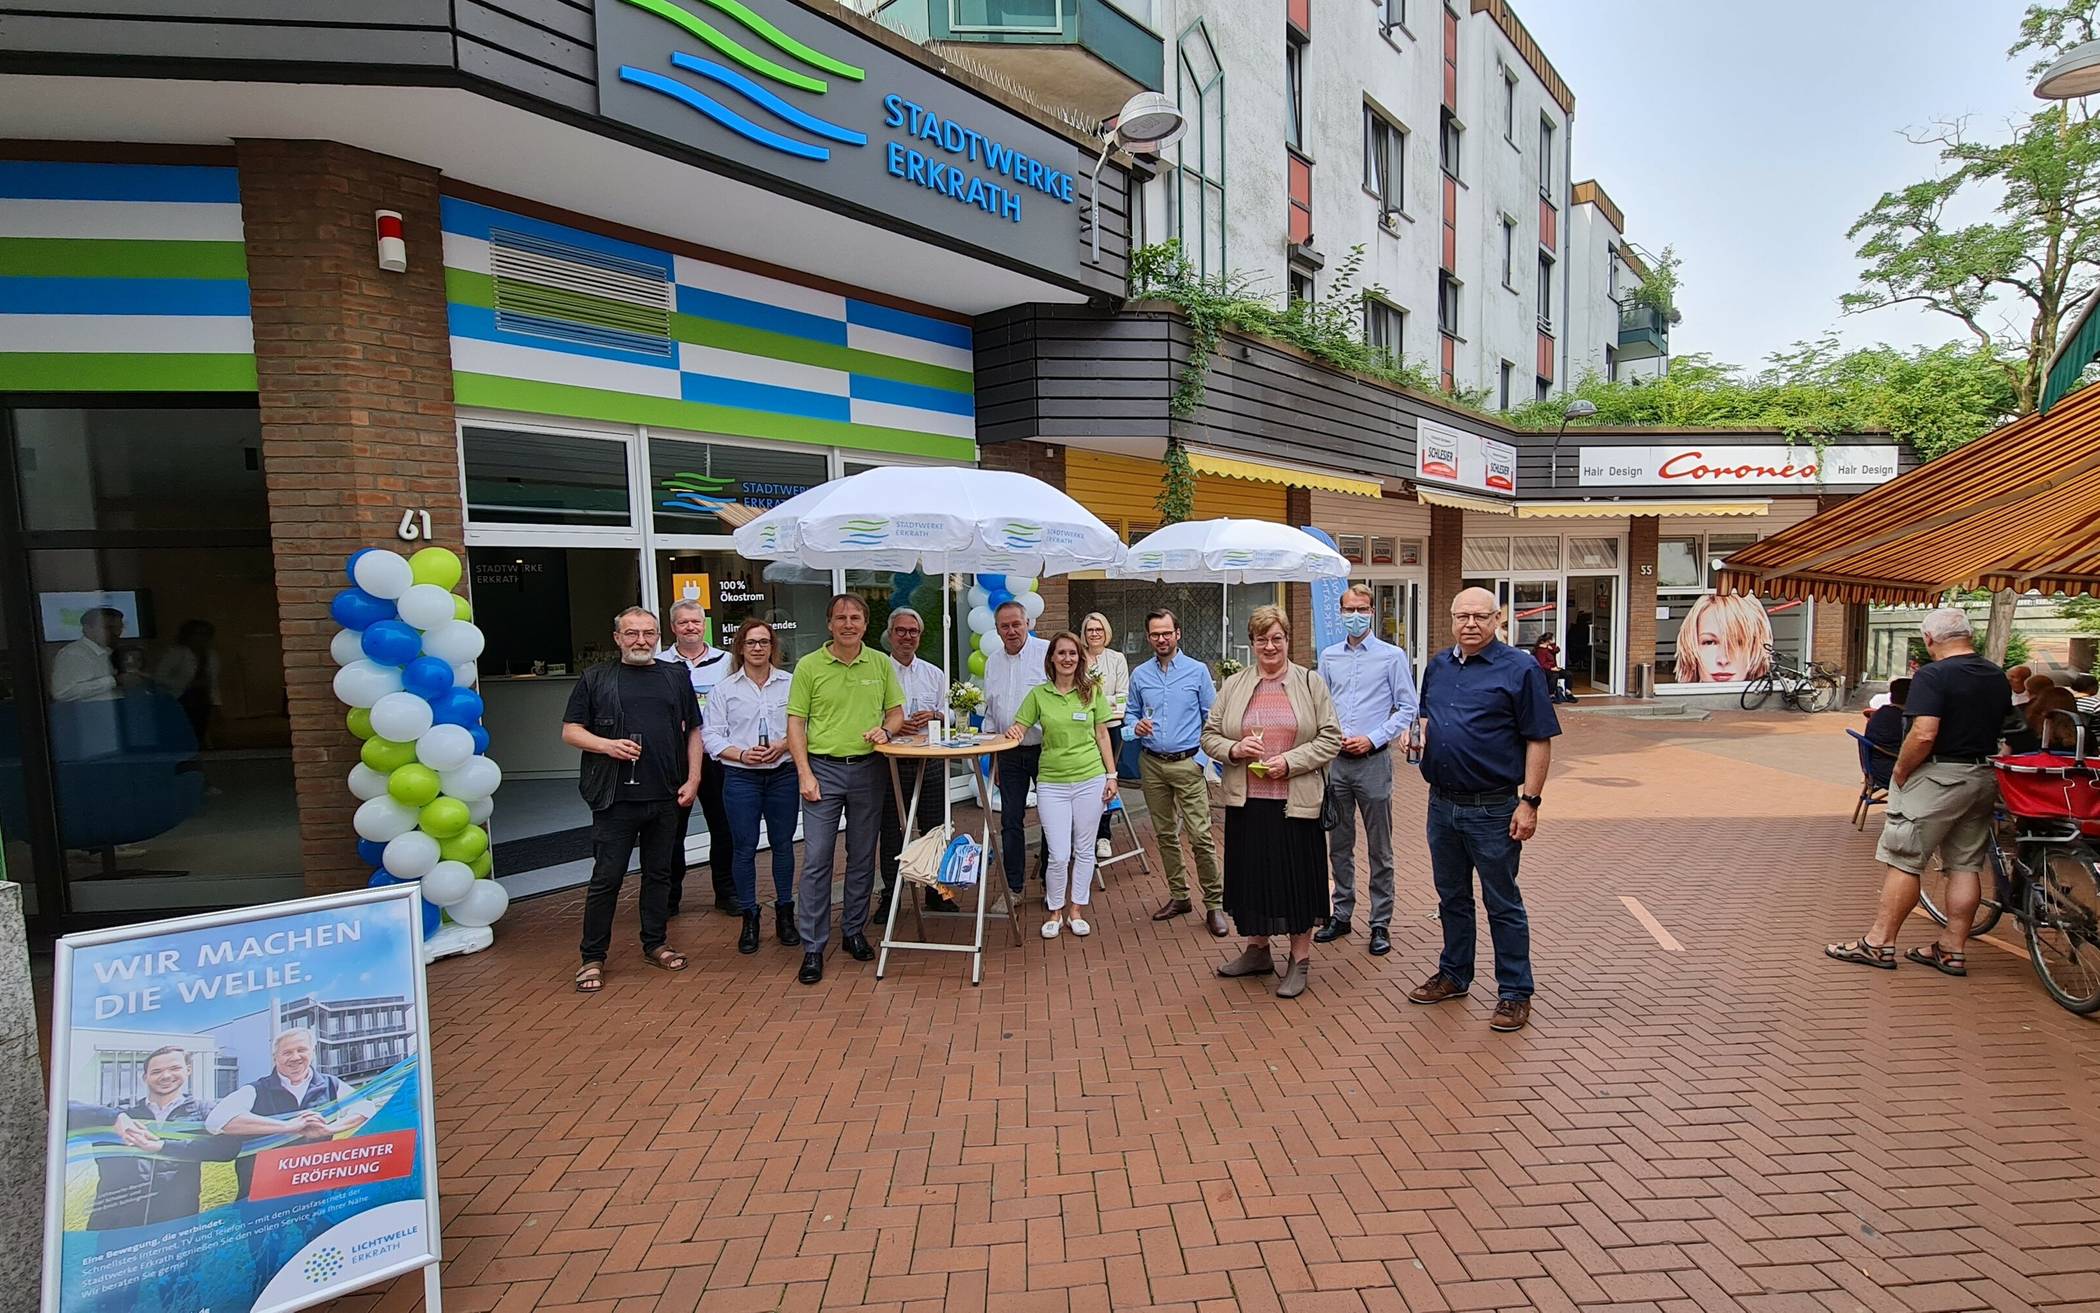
(1273, 729)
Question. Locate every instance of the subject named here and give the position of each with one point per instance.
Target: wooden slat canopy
(2017, 508)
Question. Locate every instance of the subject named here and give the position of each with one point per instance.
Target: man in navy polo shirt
(1486, 731)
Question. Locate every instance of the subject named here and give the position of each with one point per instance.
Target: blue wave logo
(866, 533)
(1021, 536)
(1236, 558)
(699, 493)
(753, 93)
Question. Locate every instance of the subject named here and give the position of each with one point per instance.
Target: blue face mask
(1356, 623)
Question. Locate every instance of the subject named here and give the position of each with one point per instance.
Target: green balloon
(462, 609)
(435, 565)
(977, 663)
(385, 755)
(443, 818)
(465, 846)
(480, 866)
(414, 784)
(360, 721)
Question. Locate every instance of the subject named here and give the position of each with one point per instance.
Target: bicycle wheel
(1821, 694)
(2063, 927)
(1760, 689)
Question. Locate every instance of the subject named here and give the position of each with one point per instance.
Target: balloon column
(986, 596)
(424, 782)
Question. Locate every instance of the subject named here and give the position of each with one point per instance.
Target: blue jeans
(1468, 840)
(748, 795)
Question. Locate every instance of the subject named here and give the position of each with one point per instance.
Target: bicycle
(2047, 875)
(1815, 687)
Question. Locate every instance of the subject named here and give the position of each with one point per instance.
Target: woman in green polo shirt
(1076, 780)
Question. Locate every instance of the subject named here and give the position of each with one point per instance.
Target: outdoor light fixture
(1147, 124)
(2076, 74)
(1577, 409)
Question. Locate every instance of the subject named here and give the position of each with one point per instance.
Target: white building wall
(1594, 322)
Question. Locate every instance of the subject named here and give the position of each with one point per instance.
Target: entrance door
(1534, 611)
(1603, 619)
(1592, 623)
(1399, 603)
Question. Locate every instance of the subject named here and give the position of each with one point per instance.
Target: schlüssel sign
(1454, 456)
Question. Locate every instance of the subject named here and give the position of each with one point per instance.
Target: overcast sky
(1750, 136)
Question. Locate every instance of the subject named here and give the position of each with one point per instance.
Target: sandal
(590, 978)
(665, 958)
(1940, 960)
(1864, 953)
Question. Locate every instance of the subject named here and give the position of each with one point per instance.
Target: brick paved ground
(1104, 1124)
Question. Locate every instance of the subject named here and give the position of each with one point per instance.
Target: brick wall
(1042, 461)
(1827, 640)
(353, 372)
(1641, 550)
(1447, 566)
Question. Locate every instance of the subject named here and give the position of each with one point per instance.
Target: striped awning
(1459, 501)
(2018, 508)
(1290, 476)
(1601, 510)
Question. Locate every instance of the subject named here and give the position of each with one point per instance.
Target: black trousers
(719, 866)
(615, 830)
(929, 813)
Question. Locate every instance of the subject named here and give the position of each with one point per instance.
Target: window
(1447, 304)
(1301, 286)
(1448, 141)
(1395, 16)
(1509, 253)
(1545, 293)
(1294, 92)
(1611, 363)
(1546, 157)
(1593, 553)
(1385, 155)
(690, 483)
(1509, 378)
(1298, 187)
(1484, 555)
(1509, 107)
(537, 478)
(1196, 197)
(1702, 637)
(1385, 327)
(1541, 553)
(1545, 389)
(1611, 276)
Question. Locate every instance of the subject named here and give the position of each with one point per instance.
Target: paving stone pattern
(1104, 1124)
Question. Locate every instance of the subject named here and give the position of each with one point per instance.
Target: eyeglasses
(1272, 640)
(1481, 617)
(637, 633)
(758, 642)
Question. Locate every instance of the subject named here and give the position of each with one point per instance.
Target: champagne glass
(633, 767)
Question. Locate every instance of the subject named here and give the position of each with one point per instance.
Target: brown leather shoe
(1511, 1014)
(1172, 908)
(1436, 989)
(1218, 925)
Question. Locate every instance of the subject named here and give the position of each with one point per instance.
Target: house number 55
(1646, 569)
(414, 525)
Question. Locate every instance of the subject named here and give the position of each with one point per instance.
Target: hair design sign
(1693, 466)
(241, 1115)
(1466, 460)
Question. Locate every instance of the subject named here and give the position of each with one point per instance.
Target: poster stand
(917, 749)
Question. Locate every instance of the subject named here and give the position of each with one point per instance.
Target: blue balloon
(370, 853)
(481, 739)
(1000, 597)
(991, 583)
(904, 581)
(354, 608)
(433, 917)
(350, 566)
(461, 706)
(381, 879)
(392, 642)
(427, 677)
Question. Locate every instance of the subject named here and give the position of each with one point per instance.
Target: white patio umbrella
(1231, 552)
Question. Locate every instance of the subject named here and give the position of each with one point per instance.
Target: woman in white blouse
(745, 730)
(1113, 674)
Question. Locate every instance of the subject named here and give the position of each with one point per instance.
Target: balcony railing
(1644, 326)
(1117, 33)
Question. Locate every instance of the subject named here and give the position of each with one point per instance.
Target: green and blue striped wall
(122, 278)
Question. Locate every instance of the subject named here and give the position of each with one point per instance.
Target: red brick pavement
(1104, 1124)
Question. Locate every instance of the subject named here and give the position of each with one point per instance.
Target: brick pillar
(1297, 598)
(354, 379)
(1042, 461)
(1641, 549)
(1447, 567)
(1827, 640)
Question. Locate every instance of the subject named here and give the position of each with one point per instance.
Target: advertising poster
(1468, 460)
(1725, 638)
(241, 1117)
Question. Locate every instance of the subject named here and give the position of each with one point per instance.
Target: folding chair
(1875, 763)
(1117, 812)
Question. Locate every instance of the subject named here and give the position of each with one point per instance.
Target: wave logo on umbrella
(1022, 536)
(866, 533)
(1235, 558)
(754, 94)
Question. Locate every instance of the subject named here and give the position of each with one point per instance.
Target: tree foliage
(2011, 280)
(1658, 291)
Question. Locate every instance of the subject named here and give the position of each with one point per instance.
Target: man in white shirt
(707, 666)
(85, 669)
(925, 697)
(1014, 667)
(287, 1101)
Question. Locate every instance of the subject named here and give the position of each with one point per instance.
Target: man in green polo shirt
(844, 699)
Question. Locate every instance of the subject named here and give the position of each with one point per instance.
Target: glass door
(1534, 611)
(1399, 604)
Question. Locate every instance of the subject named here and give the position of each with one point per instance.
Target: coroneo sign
(1450, 455)
(1689, 465)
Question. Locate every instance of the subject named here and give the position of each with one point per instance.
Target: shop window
(788, 596)
(1593, 553)
(1351, 546)
(1534, 553)
(1677, 564)
(540, 478)
(1485, 554)
(1213, 619)
(1717, 638)
(1719, 546)
(152, 469)
(711, 488)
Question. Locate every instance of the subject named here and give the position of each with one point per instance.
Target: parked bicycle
(2045, 870)
(1815, 687)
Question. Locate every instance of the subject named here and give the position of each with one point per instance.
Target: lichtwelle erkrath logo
(323, 1265)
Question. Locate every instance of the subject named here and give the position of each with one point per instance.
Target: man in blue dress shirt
(1487, 730)
(1169, 697)
(1374, 698)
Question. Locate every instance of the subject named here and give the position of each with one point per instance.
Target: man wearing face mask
(1374, 699)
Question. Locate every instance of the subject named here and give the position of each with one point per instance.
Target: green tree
(2009, 280)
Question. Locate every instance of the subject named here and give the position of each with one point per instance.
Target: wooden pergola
(2018, 508)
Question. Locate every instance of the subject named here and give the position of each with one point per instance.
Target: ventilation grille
(555, 290)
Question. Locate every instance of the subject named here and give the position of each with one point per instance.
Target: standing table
(917, 749)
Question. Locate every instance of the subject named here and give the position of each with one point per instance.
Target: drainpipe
(1567, 261)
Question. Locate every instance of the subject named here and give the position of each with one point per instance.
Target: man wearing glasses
(1485, 736)
(1374, 698)
(637, 725)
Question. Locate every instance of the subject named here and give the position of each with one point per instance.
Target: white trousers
(1071, 816)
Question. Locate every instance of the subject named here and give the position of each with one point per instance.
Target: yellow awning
(1232, 467)
(1459, 501)
(1600, 510)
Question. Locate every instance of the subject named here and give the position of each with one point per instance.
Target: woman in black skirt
(1273, 729)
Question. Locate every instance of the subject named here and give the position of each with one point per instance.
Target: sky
(1750, 136)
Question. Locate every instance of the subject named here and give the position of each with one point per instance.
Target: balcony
(1088, 56)
(1643, 332)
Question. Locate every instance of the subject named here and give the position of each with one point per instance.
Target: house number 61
(414, 525)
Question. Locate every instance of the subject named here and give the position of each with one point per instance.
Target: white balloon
(383, 574)
(445, 747)
(981, 620)
(466, 675)
(426, 606)
(445, 883)
(383, 820)
(1020, 586)
(989, 643)
(454, 641)
(347, 646)
(362, 682)
(1031, 605)
(402, 717)
(977, 596)
(411, 855)
(483, 905)
(479, 810)
(367, 783)
(478, 778)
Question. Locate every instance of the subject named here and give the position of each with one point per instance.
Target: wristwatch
(1532, 798)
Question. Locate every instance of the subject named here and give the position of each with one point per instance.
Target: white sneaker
(1052, 926)
(1103, 850)
(1081, 928)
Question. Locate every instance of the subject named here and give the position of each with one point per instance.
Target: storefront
(1386, 541)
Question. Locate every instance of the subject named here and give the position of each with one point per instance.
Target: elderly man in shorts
(1941, 795)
